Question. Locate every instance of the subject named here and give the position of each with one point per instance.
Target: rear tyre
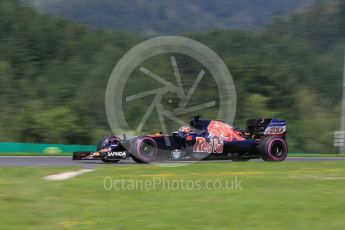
(273, 148)
(144, 150)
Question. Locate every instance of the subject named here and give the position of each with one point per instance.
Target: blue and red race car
(203, 139)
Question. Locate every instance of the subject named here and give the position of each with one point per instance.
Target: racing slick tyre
(144, 150)
(273, 148)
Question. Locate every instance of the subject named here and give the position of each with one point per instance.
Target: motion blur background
(286, 59)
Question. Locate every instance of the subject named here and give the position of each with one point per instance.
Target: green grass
(273, 196)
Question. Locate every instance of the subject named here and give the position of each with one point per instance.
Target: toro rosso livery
(203, 139)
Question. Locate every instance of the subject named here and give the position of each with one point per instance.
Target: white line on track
(67, 175)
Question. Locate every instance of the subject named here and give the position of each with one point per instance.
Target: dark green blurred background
(286, 58)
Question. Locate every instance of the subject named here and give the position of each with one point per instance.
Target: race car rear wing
(266, 127)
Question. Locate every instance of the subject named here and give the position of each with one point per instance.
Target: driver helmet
(184, 129)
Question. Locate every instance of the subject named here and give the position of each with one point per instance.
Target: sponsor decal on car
(176, 154)
(276, 127)
(117, 154)
(224, 131)
(211, 146)
(275, 130)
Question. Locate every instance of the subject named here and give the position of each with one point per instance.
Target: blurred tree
(153, 17)
(53, 75)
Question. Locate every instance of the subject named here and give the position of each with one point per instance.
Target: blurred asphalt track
(25, 161)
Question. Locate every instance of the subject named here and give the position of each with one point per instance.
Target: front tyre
(273, 148)
(144, 150)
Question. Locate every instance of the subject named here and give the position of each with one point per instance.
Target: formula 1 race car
(203, 139)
